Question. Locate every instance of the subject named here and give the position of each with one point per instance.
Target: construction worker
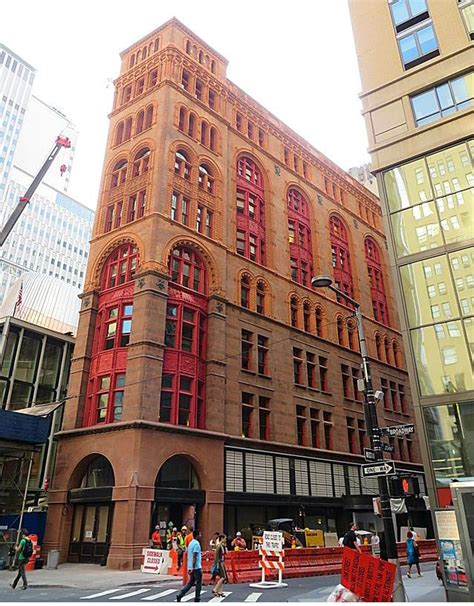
(188, 535)
(156, 538)
(180, 547)
(169, 536)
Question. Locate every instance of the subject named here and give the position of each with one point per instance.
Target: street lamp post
(389, 549)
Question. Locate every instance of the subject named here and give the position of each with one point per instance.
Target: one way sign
(385, 468)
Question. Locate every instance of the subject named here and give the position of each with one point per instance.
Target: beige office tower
(415, 59)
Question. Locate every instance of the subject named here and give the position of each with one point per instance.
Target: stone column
(216, 364)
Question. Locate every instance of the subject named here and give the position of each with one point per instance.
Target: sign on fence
(370, 578)
(155, 561)
(273, 541)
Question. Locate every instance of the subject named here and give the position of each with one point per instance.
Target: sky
(295, 58)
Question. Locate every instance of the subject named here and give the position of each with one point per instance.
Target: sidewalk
(424, 589)
(86, 575)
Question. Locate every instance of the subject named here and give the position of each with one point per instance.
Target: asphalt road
(308, 589)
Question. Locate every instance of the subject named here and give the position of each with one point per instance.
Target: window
(238, 121)
(245, 291)
(153, 78)
(467, 11)
(185, 79)
(212, 99)
(250, 211)
(187, 269)
(377, 288)
(355, 379)
(418, 46)
(388, 353)
(386, 393)
(205, 179)
(444, 99)
(314, 426)
(128, 129)
(346, 381)
(139, 87)
(311, 369)
(247, 410)
(402, 398)
(119, 131)
(306, 316)
(319, 321)
(262, 355)
(198, 90)
(264, 417)
(141, 162)
(246, 350)
(323, 374)
(120, 267)
(340, 331)
(299, 235)
(362, 435)
(340, 257)
(300, 425)
(127, 94)
(260, 297)
(192, 125)
(181, 165)
(119, 174)
(109, 217)
(328, 430)
(351, 335)
(297, 366)
(149, 116)
(351, 434)
(294, 311)
(132, 207)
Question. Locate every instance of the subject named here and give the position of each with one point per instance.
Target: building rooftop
(46, 302)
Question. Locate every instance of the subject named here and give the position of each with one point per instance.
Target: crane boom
(24, 200)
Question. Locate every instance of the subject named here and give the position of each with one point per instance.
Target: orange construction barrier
(36, 549)
(173, 569)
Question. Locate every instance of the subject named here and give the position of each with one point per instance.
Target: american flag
(19, 299)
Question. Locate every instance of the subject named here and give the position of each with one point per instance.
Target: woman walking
(413, 555)
(218, 570)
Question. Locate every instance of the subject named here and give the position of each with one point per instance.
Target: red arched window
(105, 396)
(245, 291)
(182, 166)
(141, 162)
(377, 288)
(140, 122)
(149, 116)
(119, 133)
(299, 235)
(119, 173)
(261, 290)
(184, 363)
(250, 211)
(341, 262)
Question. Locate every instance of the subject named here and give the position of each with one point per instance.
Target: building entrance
(90, 533)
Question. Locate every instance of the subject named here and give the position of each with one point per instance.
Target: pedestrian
(188, 535)
(180, 547)
(169, 536)
(413, 554)
(194, 568)
(375, 543)
(156, 538)
(213, 542)
(350, 538)
(414, 533)
(239, 542)
(24, 550)
(219, 573)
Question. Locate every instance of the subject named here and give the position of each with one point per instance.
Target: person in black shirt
(350, 538)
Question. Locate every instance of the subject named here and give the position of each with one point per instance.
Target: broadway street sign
(398, 430)
(385, 468)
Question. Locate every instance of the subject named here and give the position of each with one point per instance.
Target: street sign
(384, 468)
(387, 447)
(369, 454)
(398, 430)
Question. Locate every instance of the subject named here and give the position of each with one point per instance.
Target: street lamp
(375, 434)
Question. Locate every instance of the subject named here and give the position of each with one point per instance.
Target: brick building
(213, 385)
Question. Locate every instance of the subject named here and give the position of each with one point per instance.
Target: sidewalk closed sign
(154, 561)
(273, 541)
(370, 578)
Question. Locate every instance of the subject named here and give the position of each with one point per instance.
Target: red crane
(24, 200)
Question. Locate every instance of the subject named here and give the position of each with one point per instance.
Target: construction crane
(24, 200)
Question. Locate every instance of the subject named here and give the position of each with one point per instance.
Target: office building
(211, 385)
(415, 60)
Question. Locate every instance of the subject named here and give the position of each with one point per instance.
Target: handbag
(214, 568)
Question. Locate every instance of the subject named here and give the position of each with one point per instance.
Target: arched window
(340, 331)
(183, 381)
(182, 166)
(396, 354)
(245, 291)
(188, 47)
(141, 162)
(99, 473)
(377, 288)
(149, 116)
(128, 129)
(139, 56)
(205, 179)
(294, 311)
(378, 346)
(145, 52)
(177, 472)
(105, 396)
(261, 291)
(386, 346)
(213, 66)
(213, 139)
(204, 132)
(132, 60)
(341, 262)
(351, 335)
(140, 122)
(119, 133)
(119, 173)
(157, 44)
(307, 316)
(299, 235)
(250, 211)
(319, 321)
(200, 56)
(192, 125)
(182, 118)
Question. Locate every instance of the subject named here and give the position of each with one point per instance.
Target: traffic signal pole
(389, 549)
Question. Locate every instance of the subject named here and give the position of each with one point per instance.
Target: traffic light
(404, 486)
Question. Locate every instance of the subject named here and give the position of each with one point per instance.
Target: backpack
(27, 549)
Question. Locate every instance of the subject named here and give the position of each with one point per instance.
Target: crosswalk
(150, 594)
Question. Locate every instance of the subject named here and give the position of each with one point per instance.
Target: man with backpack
(24, 551)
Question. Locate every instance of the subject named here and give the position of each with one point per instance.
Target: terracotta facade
(198, 113)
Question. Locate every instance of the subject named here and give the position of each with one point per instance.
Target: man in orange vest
(156, 538)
